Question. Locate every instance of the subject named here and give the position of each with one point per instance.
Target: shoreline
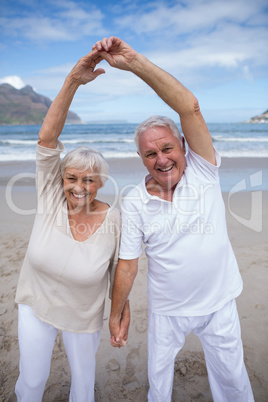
(126, 172)
(243, 161)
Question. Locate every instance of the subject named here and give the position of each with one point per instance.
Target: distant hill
(261, 118)
(25, 106)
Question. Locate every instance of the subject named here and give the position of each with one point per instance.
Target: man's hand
(119, 327)
(116, 52)
(84, 71)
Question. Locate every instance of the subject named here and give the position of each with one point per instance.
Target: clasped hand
(119, 327)
(115, 51)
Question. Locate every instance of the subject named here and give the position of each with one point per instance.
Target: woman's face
(80, 188)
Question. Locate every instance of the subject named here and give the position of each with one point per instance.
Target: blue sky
(217, 48)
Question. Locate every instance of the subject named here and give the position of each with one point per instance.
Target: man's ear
(141, 157)
(183, 145)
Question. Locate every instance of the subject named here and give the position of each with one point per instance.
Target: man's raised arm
(120, 55)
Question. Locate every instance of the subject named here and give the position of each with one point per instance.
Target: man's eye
(169, 149)
(152, 155)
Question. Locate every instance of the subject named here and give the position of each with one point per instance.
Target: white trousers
(220, 336)
(36, 342)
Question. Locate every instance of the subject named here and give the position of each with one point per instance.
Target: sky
(217, 48)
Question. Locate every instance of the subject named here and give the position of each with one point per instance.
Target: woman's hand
(84, 71)
(116, 52)
(119, 328)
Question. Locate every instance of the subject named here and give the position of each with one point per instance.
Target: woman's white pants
(220, 336)
(36, 342)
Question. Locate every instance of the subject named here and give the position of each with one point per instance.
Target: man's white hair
(157, 121)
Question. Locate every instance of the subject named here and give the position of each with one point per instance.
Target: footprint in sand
(140, 320)
(130, 381)
(259, 307)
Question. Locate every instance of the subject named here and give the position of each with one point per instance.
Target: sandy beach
(121, 375)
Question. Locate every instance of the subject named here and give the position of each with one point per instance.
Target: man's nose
(161, 159)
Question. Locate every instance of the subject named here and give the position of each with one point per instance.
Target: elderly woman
(72, 250)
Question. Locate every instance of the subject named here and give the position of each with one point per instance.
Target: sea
(115, 141)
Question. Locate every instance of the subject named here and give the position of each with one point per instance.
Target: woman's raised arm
(82, 73)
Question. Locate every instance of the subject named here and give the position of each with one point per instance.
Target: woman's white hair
(85, 158)
(157, 121)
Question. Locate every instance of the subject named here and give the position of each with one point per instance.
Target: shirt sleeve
(48, 175)
(131, 230)
(202, 168)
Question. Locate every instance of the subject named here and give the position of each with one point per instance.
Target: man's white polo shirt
(192, 269)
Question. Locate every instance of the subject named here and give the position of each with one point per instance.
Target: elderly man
(178, 213)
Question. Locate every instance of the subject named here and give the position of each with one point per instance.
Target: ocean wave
(18, 142)
(120, 155)
(244, 154)
(75, 141)
(17, 157)
(240, 139)
(9, 157)
(97, 141)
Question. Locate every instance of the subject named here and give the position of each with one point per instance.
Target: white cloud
(67, 21)
(110, 85)
(13, 80)
(203, 43)
(192, 16)
(57, 70)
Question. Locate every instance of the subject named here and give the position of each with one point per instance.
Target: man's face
(163, 156)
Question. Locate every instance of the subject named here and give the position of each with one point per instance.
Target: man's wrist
(115, 317)
(141, 66)
(71, 83)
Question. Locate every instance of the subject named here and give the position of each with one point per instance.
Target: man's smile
(166, 169)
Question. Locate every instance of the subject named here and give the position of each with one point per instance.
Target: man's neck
(154, 188)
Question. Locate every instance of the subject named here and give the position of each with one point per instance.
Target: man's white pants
(220, 336)
(36, 341)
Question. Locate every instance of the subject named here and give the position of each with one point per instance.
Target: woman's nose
(78, 185)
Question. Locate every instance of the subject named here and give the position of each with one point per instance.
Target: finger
(118, 345)
(113, 40)
(102, 45)
(98, 45)
(98, 72)
(120, 341)
(98, 59)
(107, 57)
(92, 55)
(114, 343)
